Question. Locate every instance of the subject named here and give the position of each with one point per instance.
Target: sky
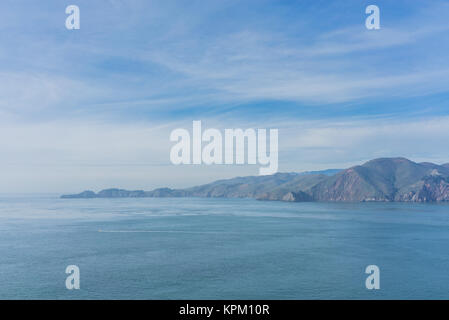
(93, 108)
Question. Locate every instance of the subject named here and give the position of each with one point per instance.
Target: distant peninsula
(383, 180)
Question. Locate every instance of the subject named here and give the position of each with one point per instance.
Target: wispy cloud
(175, 61)
(95, 106)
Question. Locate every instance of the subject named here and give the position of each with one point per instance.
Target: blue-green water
(221, 249)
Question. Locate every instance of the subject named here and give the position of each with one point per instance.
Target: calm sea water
(221, 249)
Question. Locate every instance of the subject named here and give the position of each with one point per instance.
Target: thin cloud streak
(94, 108)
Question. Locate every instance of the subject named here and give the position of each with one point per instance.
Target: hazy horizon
(255, 175)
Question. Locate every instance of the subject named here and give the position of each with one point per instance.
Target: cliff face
(352, 185)
(385, 179)
(429, 189)
(297, 197)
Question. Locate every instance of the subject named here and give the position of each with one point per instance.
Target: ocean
(194, 248)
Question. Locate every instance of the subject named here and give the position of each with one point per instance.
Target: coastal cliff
(384, 179)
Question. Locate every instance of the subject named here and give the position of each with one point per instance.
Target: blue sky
(93, 108)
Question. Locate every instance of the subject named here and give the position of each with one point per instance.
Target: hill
(384, 179)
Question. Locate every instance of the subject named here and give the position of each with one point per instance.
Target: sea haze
(210, 248)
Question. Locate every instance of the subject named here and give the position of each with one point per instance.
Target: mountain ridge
(383, 179)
